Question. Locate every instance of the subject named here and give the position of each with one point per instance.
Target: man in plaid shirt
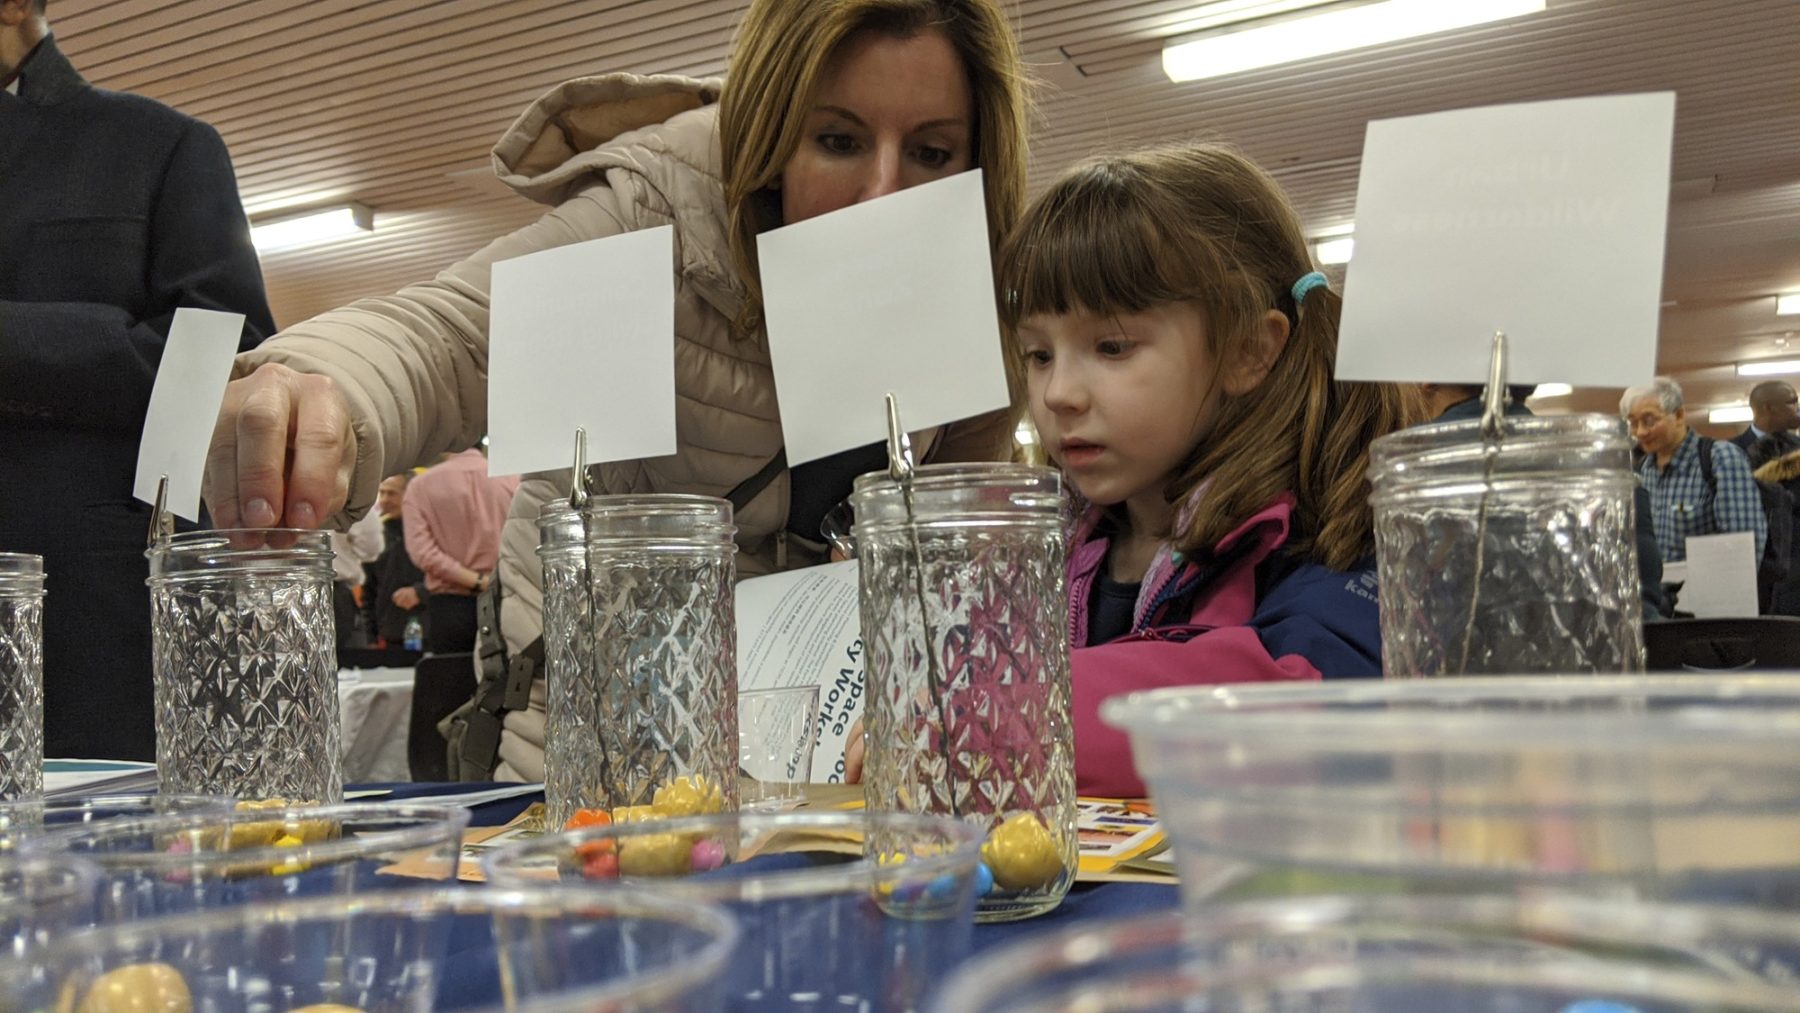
(1681, 503)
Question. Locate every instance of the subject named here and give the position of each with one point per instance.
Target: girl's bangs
(1095, 243)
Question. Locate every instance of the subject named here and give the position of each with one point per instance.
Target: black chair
(1723, 645)
(441, 683)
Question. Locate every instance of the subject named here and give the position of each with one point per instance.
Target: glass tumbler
(965, 622)
(640, 656)
(21, 676)
(246, 665)
(1513, 558)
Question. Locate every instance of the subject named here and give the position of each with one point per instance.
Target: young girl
(1178, 351)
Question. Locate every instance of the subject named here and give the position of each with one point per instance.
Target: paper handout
(893, 295)
(583, 336)
(184, 406)
(1545, 221)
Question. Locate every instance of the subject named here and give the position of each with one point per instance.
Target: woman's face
(891, 112)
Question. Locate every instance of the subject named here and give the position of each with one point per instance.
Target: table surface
(1086, 902)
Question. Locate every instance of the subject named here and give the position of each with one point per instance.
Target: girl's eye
(1037, 357)
(933, 158)
(1113, 347)
(837, 144)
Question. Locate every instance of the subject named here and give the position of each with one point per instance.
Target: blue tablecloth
(1086, 902)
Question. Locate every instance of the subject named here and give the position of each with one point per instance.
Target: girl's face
(890, 113)
(1120, 400)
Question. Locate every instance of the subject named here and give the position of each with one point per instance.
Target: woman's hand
(282, 451)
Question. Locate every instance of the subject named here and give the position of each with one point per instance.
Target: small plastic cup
(444, 949)
(42, 897)
(22, 820)
(777, 731)
(168, 864)
(840, 910)
(1666, 788)
(1397, 955)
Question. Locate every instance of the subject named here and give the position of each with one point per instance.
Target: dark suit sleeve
(92, 365)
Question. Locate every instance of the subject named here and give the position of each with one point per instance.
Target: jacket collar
(47, 77)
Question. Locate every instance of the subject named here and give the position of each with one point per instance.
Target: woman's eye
(933, 158)
(838, 144)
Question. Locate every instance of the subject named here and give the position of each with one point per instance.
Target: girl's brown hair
(781, 51)
(1201, 223)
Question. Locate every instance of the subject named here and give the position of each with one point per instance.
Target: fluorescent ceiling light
(1735, 413)
(1265, 42)
(319, 226)
(1335, 251)
(1552, 390)
(1768, 367)
(1787, 305)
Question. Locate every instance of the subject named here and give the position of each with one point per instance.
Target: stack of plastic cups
(640, 658)
(246, 665)
(1661, 793)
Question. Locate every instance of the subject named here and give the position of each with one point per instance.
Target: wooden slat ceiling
(395, 103)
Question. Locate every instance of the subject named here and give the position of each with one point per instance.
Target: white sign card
(184, 406)
(891, 295)
(1545, 221)
(583, 336)
(1721, 576)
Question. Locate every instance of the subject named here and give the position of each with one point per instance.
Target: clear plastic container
(20, 821)
(1397, 955)
(1507, 559)
(1675, 788)
(640, 652)
(21, 676)
(441, 949)
(246, 665)
(840, 910)
(965, 620)
(42, 897)
(195, 861)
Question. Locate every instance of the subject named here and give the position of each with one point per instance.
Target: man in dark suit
(1775, 411)
(114, 211)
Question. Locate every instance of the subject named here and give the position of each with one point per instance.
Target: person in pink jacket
(1178, 350)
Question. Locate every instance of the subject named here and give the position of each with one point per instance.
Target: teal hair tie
(1306, 284)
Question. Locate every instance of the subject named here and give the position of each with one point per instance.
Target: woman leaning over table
(828, 103)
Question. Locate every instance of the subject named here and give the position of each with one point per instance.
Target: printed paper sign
(893, 295)
(802, 628)
(184, 406)
(583, 336)
(1721, 576)
(1545, 221)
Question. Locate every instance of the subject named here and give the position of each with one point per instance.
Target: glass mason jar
(640, 655)
(21, 676)
(1515, 558)
(246, 665)
(965, 622)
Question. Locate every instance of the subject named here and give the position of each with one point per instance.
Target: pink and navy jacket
(1246, 613)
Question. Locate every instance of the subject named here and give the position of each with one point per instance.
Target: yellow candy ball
(1021, 853)
(655, 855)
(138, 988)
(688, 796)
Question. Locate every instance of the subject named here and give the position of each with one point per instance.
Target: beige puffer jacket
(610, 154)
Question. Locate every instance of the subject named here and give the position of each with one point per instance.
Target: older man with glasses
(1683, 502)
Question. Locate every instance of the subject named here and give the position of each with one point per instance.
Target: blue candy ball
(1598, 1006)
(984, 880)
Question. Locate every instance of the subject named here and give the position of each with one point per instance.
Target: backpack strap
(753, 486)
(1706, 466)
(505, 684)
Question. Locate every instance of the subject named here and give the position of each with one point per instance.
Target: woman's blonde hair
(1201, 223)
(781, 51)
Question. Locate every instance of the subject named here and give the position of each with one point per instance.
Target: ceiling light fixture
(1552, 390)
(1268, 41)
(319, 225)
(1787, 305)
(1768, 367)
(1735, 413)
(1335, 251)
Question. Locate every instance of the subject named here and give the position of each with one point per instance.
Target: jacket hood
(583, 127)
(1785, 468)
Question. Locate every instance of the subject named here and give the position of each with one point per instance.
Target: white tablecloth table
(376, 704)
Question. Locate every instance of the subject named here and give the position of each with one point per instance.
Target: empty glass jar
(1513, 557)
(640, 655)
(965, 622)
(246, 665)
(21, 676)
